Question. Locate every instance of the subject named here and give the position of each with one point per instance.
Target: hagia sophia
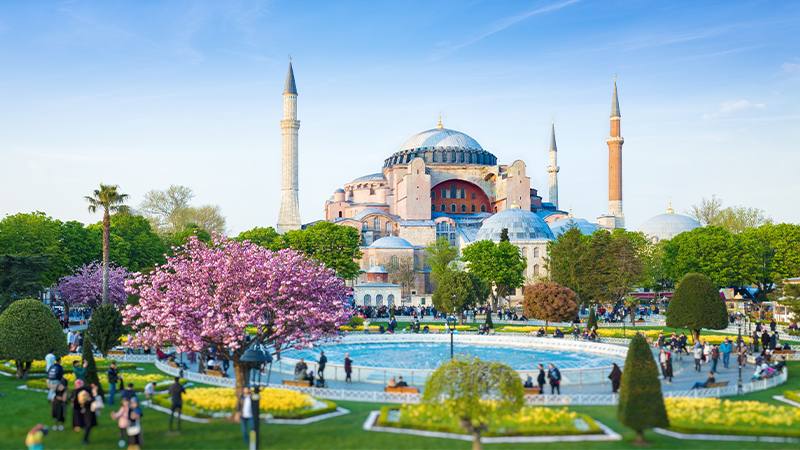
(441, 183)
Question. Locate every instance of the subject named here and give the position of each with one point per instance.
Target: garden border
(783, 399)
(607, 435)
(725, 437)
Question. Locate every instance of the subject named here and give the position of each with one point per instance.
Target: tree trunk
(66, 312)
(242, 373)
(106, 233)
(476, 441)
(639, 440)
(22, 368)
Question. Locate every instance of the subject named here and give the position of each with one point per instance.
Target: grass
(22, 409)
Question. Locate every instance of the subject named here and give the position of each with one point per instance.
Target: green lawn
(21, 410)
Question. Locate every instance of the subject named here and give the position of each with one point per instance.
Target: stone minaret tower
(552, 169)
(615, 142)
(289, 217)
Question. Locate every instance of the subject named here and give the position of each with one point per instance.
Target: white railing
(657, 320)
(133, 358)
(390, 397)
(381, 375)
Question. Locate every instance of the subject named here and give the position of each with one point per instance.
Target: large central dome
(441, 146)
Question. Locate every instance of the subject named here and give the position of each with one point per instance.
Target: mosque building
(441, 183)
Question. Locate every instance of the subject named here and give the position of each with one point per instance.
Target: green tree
(696, 304)
(591, 322)
(178, 239)
(335, 246)
(105, 328)
(501, 266)
(458, 291)
(87, 353)
(401, 271)
(550, 302)
(771, 254)
(441, 255)
(28, 331)
(564, 258)
(641, 403)
(170, 211)
(625, 263)
(36, 235)
(712, 251)
(475, 390)
(20, 276)
(734, 219)
(79, 245)
(265, 237)
(108, 199)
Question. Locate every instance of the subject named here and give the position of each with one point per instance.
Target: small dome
(522, 226)
(561, 226)
(377, 269)
(391, 242)
(668, 225)
(339, 191)
(441, 138)
(371, 177)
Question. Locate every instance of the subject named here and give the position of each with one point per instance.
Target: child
(35, 438)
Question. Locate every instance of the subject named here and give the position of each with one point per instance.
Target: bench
(533, 391)
(116, 352)
(173, 364)
(401, 389)
(215, 373)
(716, 385)
(298, 383)
(783, 352)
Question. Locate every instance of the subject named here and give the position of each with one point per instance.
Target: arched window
(453, 207)
(483, 208)
(395, 261)
(390, 300)
(388, 229)
(363, 226)
(536, 270)
(340, 214)
(472, 208)
(376, 224)
(535, 252)
(367, 300)
(379, 300)
(444, 208)
(433, 208)
(463, 208)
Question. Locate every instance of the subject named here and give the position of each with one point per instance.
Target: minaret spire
(552, 168)
(615, 142)
(289, 216)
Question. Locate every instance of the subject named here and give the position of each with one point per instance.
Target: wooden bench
(401, 389)
(533, 391)
(173, 364)
(298, 383)
(116, 352)
(783, 352)
(715, 385)
(215, 373)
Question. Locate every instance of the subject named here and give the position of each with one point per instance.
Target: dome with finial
(668, 225)
(441, 145)
(522, 225)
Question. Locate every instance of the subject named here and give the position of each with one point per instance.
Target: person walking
(77, 416)
(697, 353)
(616, 378)
(134, 430)
(541, 379)
(121, 416)
(59, 405)
(246, 414)
(323, 360)
(714, 358)
(55, 374)
(49, 360)
(113, 378)
(554, 377)
(726, 348)
(348, 368)
(176, 391)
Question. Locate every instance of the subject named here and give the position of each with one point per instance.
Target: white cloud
(791, 68)
(732, 107)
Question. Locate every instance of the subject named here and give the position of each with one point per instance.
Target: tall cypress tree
(591, 322)
(91, 367)
(641, 403)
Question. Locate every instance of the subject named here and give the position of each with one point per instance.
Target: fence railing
(653, 320)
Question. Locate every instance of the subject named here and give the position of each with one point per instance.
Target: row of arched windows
(378, 300)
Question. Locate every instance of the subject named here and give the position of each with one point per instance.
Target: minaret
(552, 169)
(289, 217)
(615, 142)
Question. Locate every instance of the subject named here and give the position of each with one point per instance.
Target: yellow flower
(272, 400)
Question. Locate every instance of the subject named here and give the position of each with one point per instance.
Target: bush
(91, 365)
(641, 403)
(550, 302)
(28, 331)
(105, 328)
(697, 304)
(355, 321)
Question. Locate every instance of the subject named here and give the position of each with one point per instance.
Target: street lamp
(256, 356)
(451, 322)
(739, 360)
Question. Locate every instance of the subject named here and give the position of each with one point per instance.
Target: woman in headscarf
(77, 415)
(616, 378)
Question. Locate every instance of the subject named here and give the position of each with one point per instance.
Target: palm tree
(110, 200)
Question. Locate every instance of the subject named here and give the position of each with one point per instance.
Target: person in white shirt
(70, 339)
(246, 414)
(49, 360)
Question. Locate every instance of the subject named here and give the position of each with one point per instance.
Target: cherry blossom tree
(85, 287)
(208, 294)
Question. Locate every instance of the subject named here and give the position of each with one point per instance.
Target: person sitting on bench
(710, 380)
(528, 383)
(401, 382)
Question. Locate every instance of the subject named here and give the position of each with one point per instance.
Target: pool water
(424, 355)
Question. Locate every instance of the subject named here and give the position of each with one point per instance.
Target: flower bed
(221, 402)
(528, 421)
(650, 334)
(792, 395)
(37, 367)
(716, 416)
(139, 380)
(375, 328)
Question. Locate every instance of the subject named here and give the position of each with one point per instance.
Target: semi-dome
(668, 225)
(561, 226)
(441, 146)
(370, 177)
(522, 226)
(391, 242)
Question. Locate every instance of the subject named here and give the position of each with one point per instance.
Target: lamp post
(739, 360)
(451, 322)
(258, 357)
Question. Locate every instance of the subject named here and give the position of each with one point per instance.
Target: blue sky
(147, 94)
